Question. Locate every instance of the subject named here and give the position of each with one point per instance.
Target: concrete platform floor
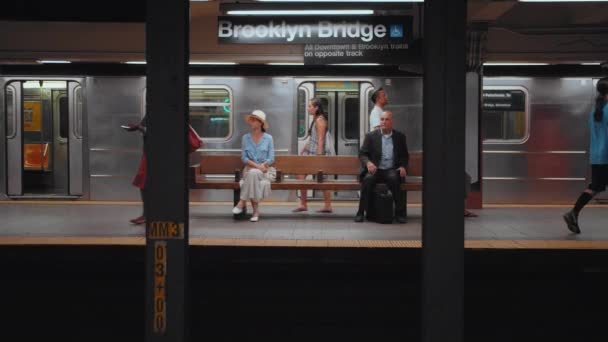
(74, 222)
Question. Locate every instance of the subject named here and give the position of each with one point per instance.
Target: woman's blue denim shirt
(262, 152)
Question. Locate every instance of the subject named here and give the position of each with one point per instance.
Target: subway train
(61, 136)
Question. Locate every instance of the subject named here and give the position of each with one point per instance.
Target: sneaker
(572, 222)
(237, 210)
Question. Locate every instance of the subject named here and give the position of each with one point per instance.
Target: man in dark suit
(384, 158)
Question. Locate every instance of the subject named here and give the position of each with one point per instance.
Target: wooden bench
(293, 166)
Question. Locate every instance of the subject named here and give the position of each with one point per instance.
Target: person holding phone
(140, 178)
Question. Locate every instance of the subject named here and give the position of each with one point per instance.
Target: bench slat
(220, 164)
(339, 165)
(297, 165)
(333, 165)
(298, 184)
(415, 164)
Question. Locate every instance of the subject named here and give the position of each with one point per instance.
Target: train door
(306, 91)
(44, 138)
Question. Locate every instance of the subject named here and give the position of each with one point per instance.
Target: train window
(211, 111)
(351, 118)
(302, 113)
(505, 115)
(63, 117)
(325, 104)
(10, 112)
(77, 125)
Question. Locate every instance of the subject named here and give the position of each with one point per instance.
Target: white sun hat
(258, 114)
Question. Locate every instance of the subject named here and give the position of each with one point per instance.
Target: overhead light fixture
(53, 62)
(369, 1)
(316, 7)
(591, 63)
(212, 63)
(563, 0)
(513, 64)
(302, 12)
(286, 63)
(135, 62)
(357, 64)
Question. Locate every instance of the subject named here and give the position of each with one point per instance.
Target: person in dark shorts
(598, 155)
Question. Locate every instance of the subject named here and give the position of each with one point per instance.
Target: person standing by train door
(380, 99)
(598, 155)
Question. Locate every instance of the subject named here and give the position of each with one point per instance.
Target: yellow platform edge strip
(201, 241)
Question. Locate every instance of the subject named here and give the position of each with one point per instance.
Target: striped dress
(313, 141)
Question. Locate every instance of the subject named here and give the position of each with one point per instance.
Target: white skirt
(255, 185)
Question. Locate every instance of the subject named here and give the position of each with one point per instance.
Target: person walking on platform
(257, 153)
(380, 99)
(384, 157)
(598, 155)
(318, 144)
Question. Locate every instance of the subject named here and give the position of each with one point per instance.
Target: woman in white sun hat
(257, 153)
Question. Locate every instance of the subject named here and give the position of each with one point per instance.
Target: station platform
(212, 224)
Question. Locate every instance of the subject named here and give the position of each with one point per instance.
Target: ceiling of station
(513, 31)
(534, 16)
(568, 32)
(502, 13)
(74, 10)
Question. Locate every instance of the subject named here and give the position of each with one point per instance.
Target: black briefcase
(381, 205)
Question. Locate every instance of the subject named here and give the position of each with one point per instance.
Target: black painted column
(166, 195)
(443, 192)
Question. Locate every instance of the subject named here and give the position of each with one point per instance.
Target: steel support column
(166, 195)
(443, 170)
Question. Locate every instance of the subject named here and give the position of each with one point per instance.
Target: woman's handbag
(194, 139)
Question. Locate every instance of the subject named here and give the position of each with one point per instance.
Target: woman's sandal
(469, 214)
(325, 210)
(299, 209)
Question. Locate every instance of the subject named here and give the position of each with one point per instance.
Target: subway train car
(61, 135)
(63, 138)
(535, 148)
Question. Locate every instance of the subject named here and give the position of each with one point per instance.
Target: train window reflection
(10, 112)
(63, 117)
(351, 118)
(211, 111)
(505, 118)
(325, 104)
(302, 113)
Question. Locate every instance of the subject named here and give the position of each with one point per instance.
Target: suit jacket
(372, 150)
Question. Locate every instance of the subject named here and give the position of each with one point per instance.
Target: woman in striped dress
(316, 145)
